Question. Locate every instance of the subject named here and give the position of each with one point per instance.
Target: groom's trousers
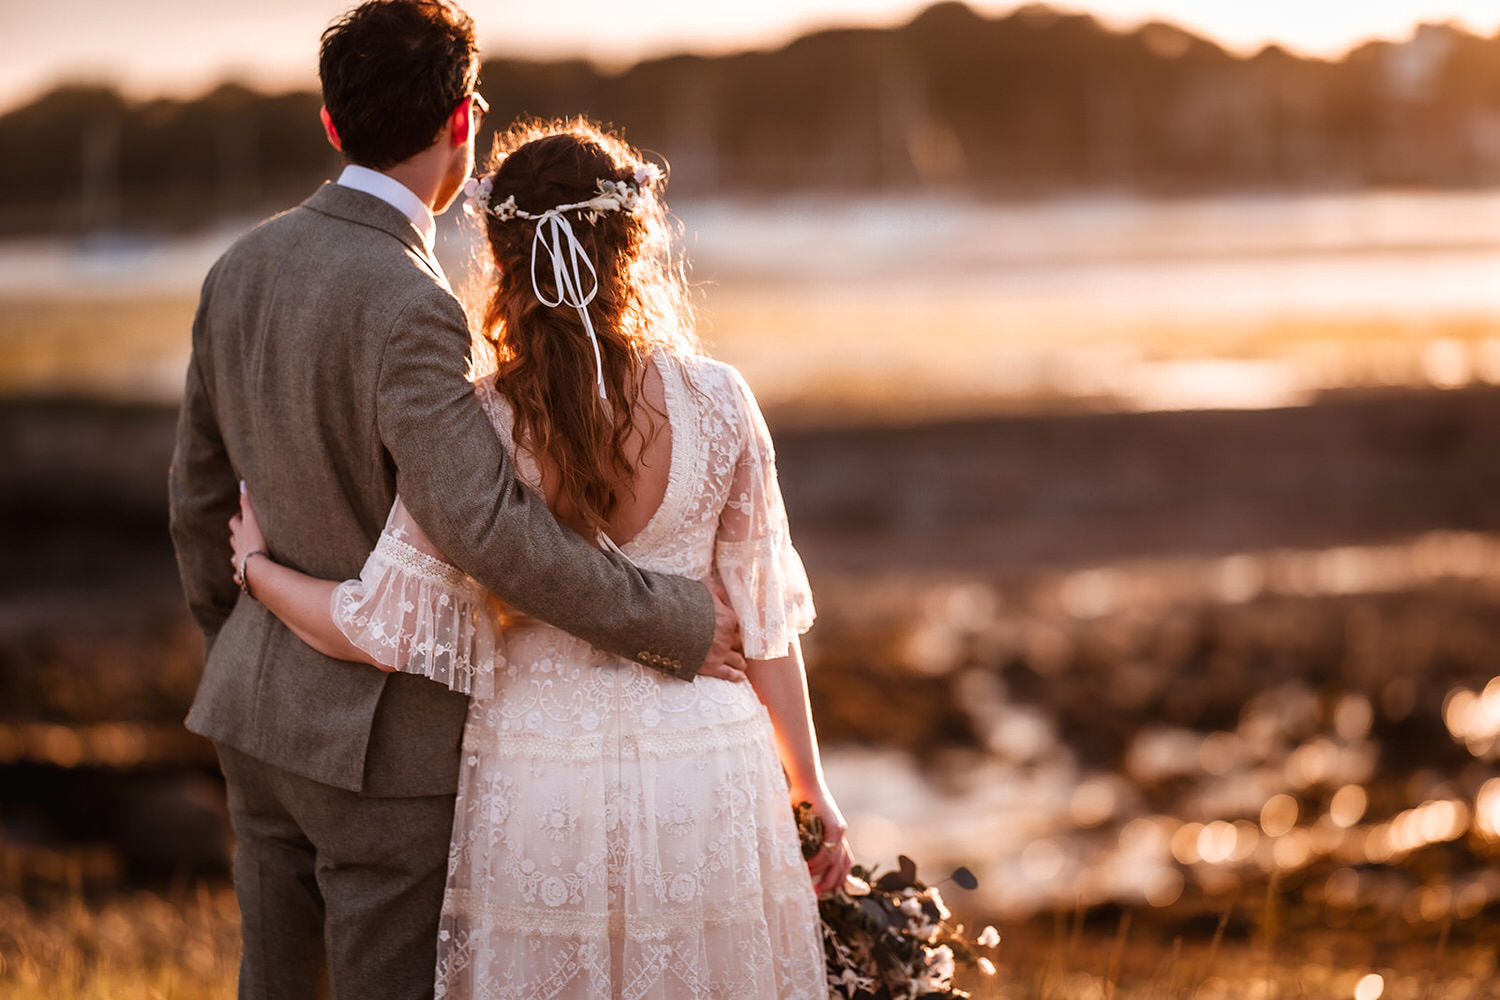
(339, 893)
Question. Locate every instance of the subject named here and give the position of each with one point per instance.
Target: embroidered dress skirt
(621, 834)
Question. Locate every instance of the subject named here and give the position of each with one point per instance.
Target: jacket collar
(363, 209)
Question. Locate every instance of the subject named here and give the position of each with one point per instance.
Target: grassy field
(146, 946)
(1146, 964)
(183, 945)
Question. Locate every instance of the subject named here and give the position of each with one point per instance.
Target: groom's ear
(461, 122)
(330, 131)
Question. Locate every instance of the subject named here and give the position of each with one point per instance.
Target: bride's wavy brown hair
(542, 356)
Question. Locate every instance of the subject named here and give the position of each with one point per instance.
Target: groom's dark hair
(392, 73)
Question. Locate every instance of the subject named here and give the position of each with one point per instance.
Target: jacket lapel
(363, 209)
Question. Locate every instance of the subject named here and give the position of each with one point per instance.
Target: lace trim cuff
(417, 614)
(768, 589)
(392, 552)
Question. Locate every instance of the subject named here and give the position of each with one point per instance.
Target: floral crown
(574, 278)
(611, 196)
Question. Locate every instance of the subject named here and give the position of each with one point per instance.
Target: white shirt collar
(393, 193)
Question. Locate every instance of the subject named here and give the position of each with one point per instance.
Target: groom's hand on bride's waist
(725, 659)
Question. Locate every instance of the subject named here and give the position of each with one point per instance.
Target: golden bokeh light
(1369, 987)
(1279, 815)
(1432, 822)
(1487, 810)
(1185, 843)
(1473, 719)
(1093, 802)
(1470, 901)
(1217, 842)
(1347, 806)
(1166, 889)
(1311, 763)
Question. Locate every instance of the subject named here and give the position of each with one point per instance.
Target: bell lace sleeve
(414, 611)
(753, 551)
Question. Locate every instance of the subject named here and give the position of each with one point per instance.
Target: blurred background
(1135, 373)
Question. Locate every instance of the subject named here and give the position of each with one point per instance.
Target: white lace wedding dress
(618, 833)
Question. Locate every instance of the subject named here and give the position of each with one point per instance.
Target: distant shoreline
(1030, 102)
(978, 494)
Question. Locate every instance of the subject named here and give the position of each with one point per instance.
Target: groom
(328, 370)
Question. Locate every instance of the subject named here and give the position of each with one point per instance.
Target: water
(925, 302)
(1311, 777)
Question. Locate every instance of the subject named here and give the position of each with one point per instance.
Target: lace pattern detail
(481, 910)
(412, 610)
(649, 743)
(403, 557)
(652, 835)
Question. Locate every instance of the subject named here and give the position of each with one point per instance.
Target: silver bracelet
(244, 580)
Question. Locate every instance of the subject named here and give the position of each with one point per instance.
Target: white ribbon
(552, 229)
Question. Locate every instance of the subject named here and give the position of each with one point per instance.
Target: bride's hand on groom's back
(725, 659)
(245, 535)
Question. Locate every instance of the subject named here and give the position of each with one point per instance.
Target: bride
(618, 833)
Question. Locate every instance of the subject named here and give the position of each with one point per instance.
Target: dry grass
(1138, 963)
(182, 946)
(1143, 958)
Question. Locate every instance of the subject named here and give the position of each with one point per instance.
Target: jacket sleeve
(460, 485)
(203, 493)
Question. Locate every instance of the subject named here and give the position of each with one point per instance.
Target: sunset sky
(153, 47)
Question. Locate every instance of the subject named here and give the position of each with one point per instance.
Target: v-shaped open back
(679, 421)
(680, 432)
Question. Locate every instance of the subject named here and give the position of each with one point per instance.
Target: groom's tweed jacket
(327, 372)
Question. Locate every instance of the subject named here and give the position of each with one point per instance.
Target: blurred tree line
(1031, 102)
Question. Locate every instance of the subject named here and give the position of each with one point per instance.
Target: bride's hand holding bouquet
(831, 860)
